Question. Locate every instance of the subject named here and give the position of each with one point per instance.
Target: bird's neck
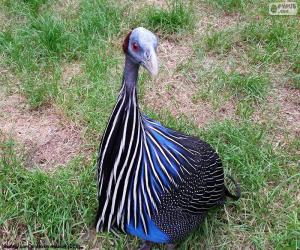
(130, 75)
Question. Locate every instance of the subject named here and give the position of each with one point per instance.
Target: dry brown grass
(65, 8)
(70, 70)
(3, 19)
(283, 111)
(48, 139)
(289, 101)
(209, 18)
(172, 90)
(281, 108)
(157, 3)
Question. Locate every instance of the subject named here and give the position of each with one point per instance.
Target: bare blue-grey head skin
(141, 47)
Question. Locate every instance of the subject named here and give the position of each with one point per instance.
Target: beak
(151, 62)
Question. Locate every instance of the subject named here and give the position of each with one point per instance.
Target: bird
(154, 183)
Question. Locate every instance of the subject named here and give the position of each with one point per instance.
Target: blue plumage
(154, 233)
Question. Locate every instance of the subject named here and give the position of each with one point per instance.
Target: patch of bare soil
(282, 110)
(288, 114)
(232, 61)
(209, 19)
(7, 19)
(172, 91)
(3, 19)
(156, 3)
(66, 8)
(282, 106)
(70, 71)
(12, 236)
(49, 140)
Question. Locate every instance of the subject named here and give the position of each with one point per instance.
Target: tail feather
(237, 194)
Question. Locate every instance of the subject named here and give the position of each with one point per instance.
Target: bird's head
(140, 45)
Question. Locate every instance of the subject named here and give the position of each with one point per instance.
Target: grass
(274, 37)
(39, 91)
(244, 86)
(248, 89)
(36, 51)
(38, 207)
(220, 42)
(249, 50)
(51, 208)
(229, 5)
(30, 6)
(177, 16)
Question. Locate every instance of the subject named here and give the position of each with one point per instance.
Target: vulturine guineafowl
(153, 182)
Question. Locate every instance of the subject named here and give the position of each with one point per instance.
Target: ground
(229, 73)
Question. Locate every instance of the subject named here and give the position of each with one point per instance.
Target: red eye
(135, 46)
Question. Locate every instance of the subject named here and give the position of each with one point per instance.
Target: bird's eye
(135, 46)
